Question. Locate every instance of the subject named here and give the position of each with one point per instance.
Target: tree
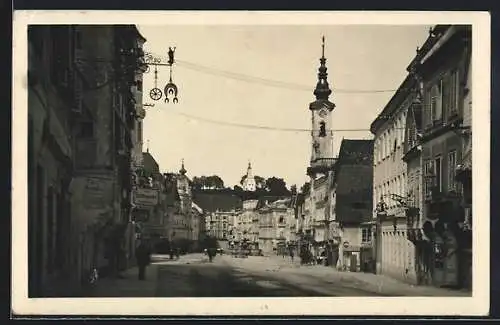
(305, 188)
(277, 186)
(215, 182)
(293, 189)
(260, 181)
(210, 182)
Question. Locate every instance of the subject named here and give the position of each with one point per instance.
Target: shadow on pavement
(202, 279)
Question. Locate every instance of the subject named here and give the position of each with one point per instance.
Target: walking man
(143, 256)
(291, 252)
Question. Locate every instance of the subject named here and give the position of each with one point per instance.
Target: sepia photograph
(245, 155)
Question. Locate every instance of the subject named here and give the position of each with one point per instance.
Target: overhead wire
(273, 83)
(268, 82)
(264, 127)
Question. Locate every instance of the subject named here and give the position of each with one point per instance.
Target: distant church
(249, 183)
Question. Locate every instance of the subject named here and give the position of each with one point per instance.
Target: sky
(213, 60)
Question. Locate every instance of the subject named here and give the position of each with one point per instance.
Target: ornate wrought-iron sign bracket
(170, 88)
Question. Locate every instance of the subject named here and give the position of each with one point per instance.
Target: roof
(196, 207)
(214, 201)
(431, 40)
(320, 182)
(356, 151)
(266, 200)
(403, 91)
(409, 82)
(139, 35)
(149, 162)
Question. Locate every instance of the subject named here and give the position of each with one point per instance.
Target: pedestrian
(143, 255)
(291, 253)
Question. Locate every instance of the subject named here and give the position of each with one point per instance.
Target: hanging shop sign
(145, 197)
(170, 91)
(345, 244)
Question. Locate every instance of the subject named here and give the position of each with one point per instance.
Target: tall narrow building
(322, 157)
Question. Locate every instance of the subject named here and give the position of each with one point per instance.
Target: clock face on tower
(322, 112)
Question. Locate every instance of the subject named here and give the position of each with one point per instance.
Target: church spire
(183, 171)
(322, 90)
(249, 170)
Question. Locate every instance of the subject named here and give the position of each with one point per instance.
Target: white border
(478, 304)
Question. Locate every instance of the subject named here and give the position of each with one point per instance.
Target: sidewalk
(129, 286)
(373, 282)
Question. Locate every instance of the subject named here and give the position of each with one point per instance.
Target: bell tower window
(322, 129)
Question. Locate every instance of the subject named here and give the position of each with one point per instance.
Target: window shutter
(429, 111)
(445, 87)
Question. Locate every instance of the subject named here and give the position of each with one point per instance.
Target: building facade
(442, 66)
(274, 225)
(221, 209)
(395, 254)
(352, 211)
(415, 181)
(148, 199)
(80, 89)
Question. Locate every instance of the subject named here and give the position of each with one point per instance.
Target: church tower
(321, 134)
(322, 159)
(249, 182)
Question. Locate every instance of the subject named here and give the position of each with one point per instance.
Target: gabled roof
(149, 163)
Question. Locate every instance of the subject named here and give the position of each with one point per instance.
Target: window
(438, 182)
(366, 234)
(322, 129)
(436, 101)
(429, 174)
(395, 148)
(454, 92)
(139, 85)
(388, 144)
(452, 163)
